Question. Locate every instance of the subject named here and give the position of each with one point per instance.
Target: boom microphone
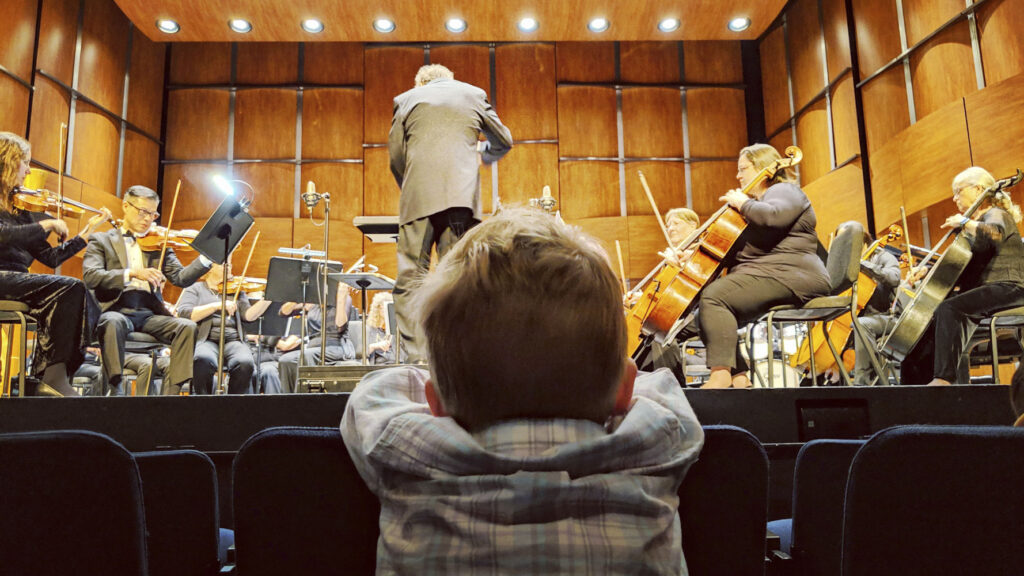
(311, 198)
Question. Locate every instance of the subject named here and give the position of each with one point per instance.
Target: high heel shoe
(44, 389)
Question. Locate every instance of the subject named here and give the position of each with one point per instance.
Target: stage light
(225, 185)
(168, 26)
(455, 25)
(313, 26)
(528, 25)
(739, 24)
(668, 25)
(240, 26)
(598, 25)
(383, 25)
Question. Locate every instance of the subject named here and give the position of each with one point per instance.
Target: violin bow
(245, 268)
(910, 255)
(622, 270)
(60, 170)
(657, 214)
(167, 231)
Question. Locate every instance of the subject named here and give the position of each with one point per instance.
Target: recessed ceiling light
(598, 25)
(168, 26)
(383, 25)
(528, 25)
(668, 25)
(312, 25)
(455, 25)
(739, 24)
(240, 26)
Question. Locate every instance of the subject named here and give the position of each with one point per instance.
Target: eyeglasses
(143, 212)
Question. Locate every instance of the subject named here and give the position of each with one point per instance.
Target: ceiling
(423, 20)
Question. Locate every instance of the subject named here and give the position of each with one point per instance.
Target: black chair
(142, 343)
(936, 500)
(1007, 319)
(13, 313)
(72, 505)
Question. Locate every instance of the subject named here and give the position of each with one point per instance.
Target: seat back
(936, 500)
(819, 490)
(723, 505)
(72, 505)
(179, 488)
(301, 506)
(844, 257)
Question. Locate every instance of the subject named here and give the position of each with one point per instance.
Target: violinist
(65, 313)
(128, 286)
(200, 303)
(875, 319)
(777, 263)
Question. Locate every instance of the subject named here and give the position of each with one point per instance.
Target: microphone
(311, 198)
(547, 201)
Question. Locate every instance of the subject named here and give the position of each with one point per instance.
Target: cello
(670, 293)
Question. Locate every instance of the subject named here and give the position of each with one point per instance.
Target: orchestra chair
(72, 505)
(843, 267)
(936, 500)
(1012, 318)
(142, 343)
(179, 490)
(813, 535)
(13, 313)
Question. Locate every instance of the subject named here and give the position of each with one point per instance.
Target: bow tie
(128, 234)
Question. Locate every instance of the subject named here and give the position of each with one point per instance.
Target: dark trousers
(415, 241)
(179, 333)
(238, 364)
(957, 318)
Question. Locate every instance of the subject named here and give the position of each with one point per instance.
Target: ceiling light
(528, 25)
(240, 26)
(739, 24)
(313, 26)
(383, 25)
(168, 26)
(455, 25)
(668, 25)
(598, 25)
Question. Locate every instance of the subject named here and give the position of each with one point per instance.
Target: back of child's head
(523, 319)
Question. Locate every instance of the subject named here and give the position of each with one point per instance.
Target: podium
(378, 228)
(367, 281)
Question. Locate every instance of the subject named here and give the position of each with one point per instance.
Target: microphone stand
(226, 234)
(323, 287)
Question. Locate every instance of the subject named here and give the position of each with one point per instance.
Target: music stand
(365, 281)
(270, 323)
(378, 228)
(281, 287)
(217, 239)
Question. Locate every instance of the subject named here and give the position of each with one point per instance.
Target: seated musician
(380, 342)
(338, 347)
(128, 286)
(201, 303)
(64, 311)
(680, 223)
(875, 319)
(777, 264)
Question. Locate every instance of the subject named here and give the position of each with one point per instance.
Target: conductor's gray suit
(435, 160)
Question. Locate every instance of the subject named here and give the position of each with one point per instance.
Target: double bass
(670, 292)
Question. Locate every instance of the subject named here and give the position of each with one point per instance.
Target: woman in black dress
(64, 311)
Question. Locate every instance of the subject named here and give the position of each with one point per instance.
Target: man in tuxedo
(128, 286)
(436, 153)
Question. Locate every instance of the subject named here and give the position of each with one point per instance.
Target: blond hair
(684, 215)
(375, 317)
(761, 155)
(978, 176)
(13, 151)
(427, 74)
(523, 319)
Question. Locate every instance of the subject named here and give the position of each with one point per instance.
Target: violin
(49, 202)
(155, 237)
(244, 284)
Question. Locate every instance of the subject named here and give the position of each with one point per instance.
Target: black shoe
(44, 389)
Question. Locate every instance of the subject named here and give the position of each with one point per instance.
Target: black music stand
(366, 281)
(282, 287)
(217, 239)
(270, 323)
(378, 228)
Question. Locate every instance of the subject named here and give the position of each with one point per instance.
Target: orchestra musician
(128, 286)
(875, 319)
(680, 223)
(338, 348)
(64, 311)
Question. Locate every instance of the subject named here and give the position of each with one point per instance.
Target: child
(531, 446)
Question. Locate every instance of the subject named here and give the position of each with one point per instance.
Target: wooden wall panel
(58, 27)
(837, 36)
(394, 70)
(275, 188)
(97, 142)
(104, 47)
(198, 197)
(380, 191)
(649, 62)
(932, 152)
(50, 107)
(274, 233)
(146, 85)
(885, 107)
(526, 99)
(524, 172)
(332, 123)
(812, 135)
(383, 255)
(346, 240)
(925, 16)
(1002, 45)
(93, 197)
(606, 231)
(844, 120)
(838, 197)
(878, 35)
(200, 63)
(486, 189)
(344, 182)
(141, 162)
(668, 186)
(589, 189)
(806, 62)
(585, 61)
(17, 37)
(265, 123)
(470, 63)
(710, 181)
(717, 120)
(937, 214)
(781, 141)
(267, 63)
(333, 63)
(197, 123)
(641, 251)
(652, 122)
(14, 112)
(993, 119)
(712, 62)
(587, 121)
(887, 182)
(943, 70)
(773, 79)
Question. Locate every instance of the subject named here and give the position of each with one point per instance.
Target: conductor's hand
(735, 198)
(58, 227)
(152, 275)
